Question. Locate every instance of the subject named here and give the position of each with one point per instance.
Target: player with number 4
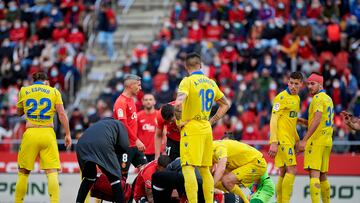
(193, 104)
(317, 142)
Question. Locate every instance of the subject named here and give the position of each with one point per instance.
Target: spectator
(107, 25)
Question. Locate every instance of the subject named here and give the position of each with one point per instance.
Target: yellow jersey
(38, 101)
(237, 153)
(201, 93)
(286, 106)
(321, 102)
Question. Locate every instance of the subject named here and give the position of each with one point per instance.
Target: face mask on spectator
(242, 87)
(271, 25)
(214, 22)
(195, 26)
(237, 25)
(358, 56)
(227, 26)
(12, 8)
(238, 126)
(250, 129)
(74, 30)
(267, 61)
(164, 87)
(336, 84)
(1, 6)
(179, 25)
(177, 7)
(74, 8)
(303, 23)
(299, 5)
(281, 5)
(217, 63)
(6, 43)
(229, 48)
(146, 78)
(193, 8)
(119, 87)
(272, 86)
(332, 72)
(17, 25)
(17, 68)
(3, 28)
(54, 12)
(266, 6)
(302, 43)
(54, 73)
(248, 9)
(119, 74)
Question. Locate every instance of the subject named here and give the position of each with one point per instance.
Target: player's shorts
(248, 173)
(196, 149)
(317, 157)
(39, 142)
(131, 156)
(172, 149)
(285, 156)
(264, 193)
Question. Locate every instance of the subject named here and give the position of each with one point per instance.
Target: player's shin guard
(191, 186)
(237, 190)
(279, 189)
(325, 191)
(117, 191)
(53, 187)
(315, 190)
(208, 184)
(21, 187)
(287, 187)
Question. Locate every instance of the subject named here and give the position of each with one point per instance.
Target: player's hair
(40, 76)
(130, 78)
(163, 160)
(167, 111)
(192, 60)
(228, 136)
(297, 75)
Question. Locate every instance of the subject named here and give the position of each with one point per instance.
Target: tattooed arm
(178, 104)
(224, 106)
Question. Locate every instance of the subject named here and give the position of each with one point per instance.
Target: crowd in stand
(249, 48)
(47, 36)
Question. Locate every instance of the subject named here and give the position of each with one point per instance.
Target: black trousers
(164, 182)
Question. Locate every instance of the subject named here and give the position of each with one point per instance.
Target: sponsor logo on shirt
(148, 127)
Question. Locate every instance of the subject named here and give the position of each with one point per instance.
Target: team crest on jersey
(276, 106)
(120, 113)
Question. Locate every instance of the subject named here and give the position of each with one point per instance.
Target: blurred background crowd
(248, 47)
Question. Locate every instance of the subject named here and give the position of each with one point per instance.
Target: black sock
(85, 186)
(118, 192)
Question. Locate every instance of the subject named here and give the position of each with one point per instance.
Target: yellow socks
(315, 190)
(237, 190)
(279, 189)
(208, 184)
(53, 187)
(191, 186)
(21, 187)
(288, 183)
(325, 191)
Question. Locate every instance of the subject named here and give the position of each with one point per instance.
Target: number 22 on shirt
(43, 105)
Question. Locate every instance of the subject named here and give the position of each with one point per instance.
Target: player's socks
(287, 187)
(220, 186)
(21, 187)
(315, 190)
(325, 191)
(191, 186)
(237, 190)
(53, 187)
(208, 184)
(279, 189)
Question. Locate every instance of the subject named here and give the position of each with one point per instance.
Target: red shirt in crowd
(125, 111)
(18, 34)
(195, 35)
(172, 131)
(236, 14)
(59, 33)
(76, 38)
(213, 32)
(146, 130)
(143, 180)
(333, 32)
